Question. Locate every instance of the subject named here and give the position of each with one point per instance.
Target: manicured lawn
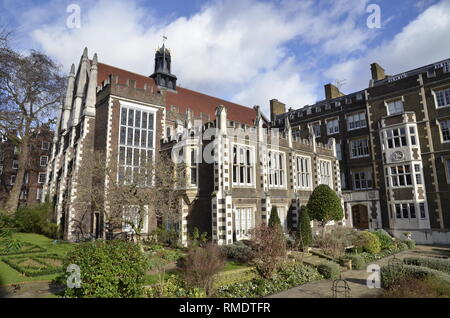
(232, 265)
(9, 275)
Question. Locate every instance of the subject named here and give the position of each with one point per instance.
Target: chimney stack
(377, 72)
(276, 108)
(331, 92)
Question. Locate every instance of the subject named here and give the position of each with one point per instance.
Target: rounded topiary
(386, 241)
(367, 242)
(324, 205)
(329, 270)
(304, 226)
(274, 220)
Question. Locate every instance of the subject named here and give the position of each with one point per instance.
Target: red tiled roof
(183, 98)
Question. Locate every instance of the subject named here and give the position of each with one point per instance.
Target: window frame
(247, 167)
(387, 103)
(334, 120)
(39, 177)
(302, 175)
(237, 211)
(46, 161)
(368, 180)
(441, 129)
(402, 175)
(359, 121)
(130, 143)
(330, 171)
(277, 171)
(436, 98)
(360, 147)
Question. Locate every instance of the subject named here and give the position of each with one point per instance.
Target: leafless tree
(31, 88)
(150, 193)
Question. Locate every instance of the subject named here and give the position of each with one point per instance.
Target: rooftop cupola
(163, 75)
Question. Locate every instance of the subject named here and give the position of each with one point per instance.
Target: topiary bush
(358, 261)
(439, 264)
(305, 232)
(109, 269)
(324, 205)
(274, 219)
(386, 241)
(329, 270)
(367, 242)
(238, 251)
(391, 274)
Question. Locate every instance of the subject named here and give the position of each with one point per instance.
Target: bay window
(400, 176)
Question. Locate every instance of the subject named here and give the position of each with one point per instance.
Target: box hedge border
(50, 269)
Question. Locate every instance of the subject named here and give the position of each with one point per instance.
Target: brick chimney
(331, 92)
(377, 72)
(276, 108)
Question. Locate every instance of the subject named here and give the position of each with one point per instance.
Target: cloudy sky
(246, 51)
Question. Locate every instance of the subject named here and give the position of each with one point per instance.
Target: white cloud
(421, 42)
(228, 48)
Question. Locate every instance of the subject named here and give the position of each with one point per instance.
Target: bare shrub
(201, 266)
(268, 249)
(335, 242)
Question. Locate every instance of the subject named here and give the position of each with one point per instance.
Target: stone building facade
(104, 111)
(393, 143)
(235, 175)
(35, 175)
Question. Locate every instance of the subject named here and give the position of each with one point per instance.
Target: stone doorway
(360, 216)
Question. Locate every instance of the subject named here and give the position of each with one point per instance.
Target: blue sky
(247, 51)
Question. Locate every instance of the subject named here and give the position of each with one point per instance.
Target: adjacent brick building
(393, 142)
(35, 175)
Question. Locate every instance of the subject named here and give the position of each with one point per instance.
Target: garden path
(357, 278)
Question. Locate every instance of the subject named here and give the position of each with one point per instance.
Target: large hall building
(130, 116)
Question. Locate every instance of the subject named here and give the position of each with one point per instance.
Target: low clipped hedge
(26, 248)
(391, 274)
(410, 244)
(329, 270)
(358, 261)
(41, 268)
(442, 265)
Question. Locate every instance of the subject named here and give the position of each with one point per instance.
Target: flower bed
(287, 276)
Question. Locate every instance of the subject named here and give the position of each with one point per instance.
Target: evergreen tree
(304, 228)
(324, 206)
(274, 219)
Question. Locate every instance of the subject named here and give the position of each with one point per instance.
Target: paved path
(357, 278)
